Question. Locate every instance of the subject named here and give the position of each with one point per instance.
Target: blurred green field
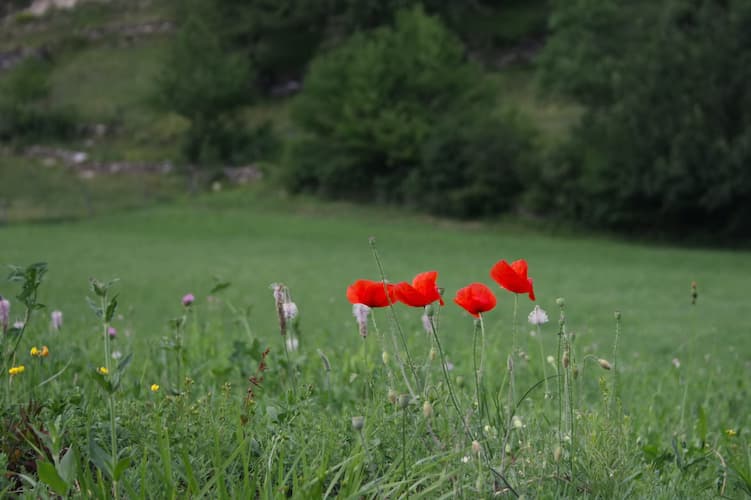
(254, 239)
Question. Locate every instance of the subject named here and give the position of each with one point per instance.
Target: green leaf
(94, 307)
(100, 458)
(48, 475)
(121, 466)
(103, 381)
(123, 364)
(111, 308)
(218, 287)
(701, 425)
(68, 465)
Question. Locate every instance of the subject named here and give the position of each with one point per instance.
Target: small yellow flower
(34, 351)
(731, 433)
(154, 387)
(44, 352)
(16, 370)
(102, 370)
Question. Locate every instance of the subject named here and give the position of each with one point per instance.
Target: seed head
(56, 320)
(427, 409)
(476, 448)
(358, 423)
(403, 401)
(604, 364)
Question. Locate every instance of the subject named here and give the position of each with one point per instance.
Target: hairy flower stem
(559, 365)
(404, 449)
(110, 395)
(448, 381)
(615, 357)
(479, 371)
(542, 360)
(397, 325)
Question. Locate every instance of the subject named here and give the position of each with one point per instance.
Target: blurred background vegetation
(617, 115)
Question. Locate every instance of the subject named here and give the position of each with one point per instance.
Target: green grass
(300, 441)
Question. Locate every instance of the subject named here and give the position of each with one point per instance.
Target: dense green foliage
(378, 119)
(206, 83)
(25, 110)
(666, 141)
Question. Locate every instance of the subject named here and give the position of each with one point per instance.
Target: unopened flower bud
(427, 409)
(385, 357)
(392, 396)
(565, 359)
(358, 423)
(617, 315)
(476, 447)
(604, 364)
(560, 301)
(403, 401)
(432, 354)
(557, 452)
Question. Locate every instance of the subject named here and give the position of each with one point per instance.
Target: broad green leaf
(121, 466)
(48, 475)
(68, 465)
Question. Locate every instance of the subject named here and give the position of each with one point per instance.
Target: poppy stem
(397, 325)
(448, 380)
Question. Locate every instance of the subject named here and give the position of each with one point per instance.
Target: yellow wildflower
(102, 370)
(154, 387)
(44, 352)
(16, 370)
(34, 351)
(731, 433)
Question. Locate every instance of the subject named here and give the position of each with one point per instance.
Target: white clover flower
(290, 310)
(516, 422)
(361, 312)
(538, 316)
(117, 355)
(56, 320)
(4, 313)
(551, 360)
(427, 324)
(466, 459)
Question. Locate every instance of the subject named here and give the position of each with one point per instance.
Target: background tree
(666, 140)
(206, 82)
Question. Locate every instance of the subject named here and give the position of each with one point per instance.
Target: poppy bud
(403, 401)
(617, 315)
(392, 396)
(565, 360)
(561, 302)
(358, 423)
(427, 409)
(385, 357)
(604, 364)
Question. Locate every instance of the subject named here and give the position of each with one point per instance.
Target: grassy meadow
(671, 419)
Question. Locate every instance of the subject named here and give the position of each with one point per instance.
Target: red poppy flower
(422, 292)
(371, 293)
(475, 299)
(513, 277)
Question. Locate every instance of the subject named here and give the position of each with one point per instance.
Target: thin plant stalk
(111, 395)
(397, 325)
(448, 380)
(542, 360)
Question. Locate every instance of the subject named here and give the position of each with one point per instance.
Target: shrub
(369, 107)
(666, 142)
(26, 113)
